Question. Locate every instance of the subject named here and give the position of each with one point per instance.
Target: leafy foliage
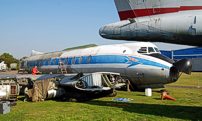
(8, 59)
(7, 55)
(23, 58)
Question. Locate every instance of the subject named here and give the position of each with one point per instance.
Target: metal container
(13, 66)
(4, 107)
(148, 92)
(9, 88)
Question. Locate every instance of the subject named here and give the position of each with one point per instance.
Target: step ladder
(61, 68)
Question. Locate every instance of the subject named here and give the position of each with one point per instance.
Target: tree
(7, 55)
(8, 59)
(23, 58)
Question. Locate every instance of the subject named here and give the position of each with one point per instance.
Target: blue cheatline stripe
(147, 62)
(106, 59)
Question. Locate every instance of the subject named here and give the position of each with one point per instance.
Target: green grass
(188, 106)
(189, 80)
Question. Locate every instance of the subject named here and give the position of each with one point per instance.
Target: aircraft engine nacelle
(183, 65)
(55, 93)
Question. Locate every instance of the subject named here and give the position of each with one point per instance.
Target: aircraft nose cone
(101, 31)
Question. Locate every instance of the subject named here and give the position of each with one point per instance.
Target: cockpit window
(157, 50)
(151, 49)
(143, 50)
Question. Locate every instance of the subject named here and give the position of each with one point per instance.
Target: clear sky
(53, 25)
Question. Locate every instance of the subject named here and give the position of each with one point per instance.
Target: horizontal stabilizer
(35, 53)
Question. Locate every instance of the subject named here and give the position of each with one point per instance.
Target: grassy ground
(188, 106)
(189, 80)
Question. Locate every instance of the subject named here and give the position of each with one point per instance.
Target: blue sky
(53, 25)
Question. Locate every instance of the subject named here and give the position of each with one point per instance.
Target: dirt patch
(10, 72)
(14, 72)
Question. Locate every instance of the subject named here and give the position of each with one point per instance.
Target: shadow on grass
(170, 111)
(21, 98)
(157, 98)
(140, 95)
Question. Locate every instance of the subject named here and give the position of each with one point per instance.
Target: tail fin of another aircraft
(139, 8)
(125, 9)
(35, 53)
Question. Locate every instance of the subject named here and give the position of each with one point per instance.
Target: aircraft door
(141, 76)
(197, 25)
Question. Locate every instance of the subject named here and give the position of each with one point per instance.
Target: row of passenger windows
(57, 60)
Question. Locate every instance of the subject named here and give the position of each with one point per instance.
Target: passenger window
(143, 50)
(54, 61)
(37, 62)
(151, 49)
(157, 50)
(44, 63)
(60, 61)
(40, 62)
(73, 60)
(66, 61)
(89, 59)
(80, 59)
(49, 62)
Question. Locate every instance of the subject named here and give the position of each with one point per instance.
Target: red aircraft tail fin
(125, 9)
(139, 8)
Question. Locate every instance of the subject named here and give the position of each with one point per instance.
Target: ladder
(61, 68)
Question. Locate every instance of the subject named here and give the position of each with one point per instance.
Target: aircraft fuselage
(141, 63)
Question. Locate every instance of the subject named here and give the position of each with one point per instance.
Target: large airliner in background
(170, 21)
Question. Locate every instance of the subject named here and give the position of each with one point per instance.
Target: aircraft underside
(140, 76)
(175, 21)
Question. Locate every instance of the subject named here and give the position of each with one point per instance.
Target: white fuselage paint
(142, 69)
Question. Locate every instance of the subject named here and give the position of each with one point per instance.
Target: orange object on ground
(165, 96)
